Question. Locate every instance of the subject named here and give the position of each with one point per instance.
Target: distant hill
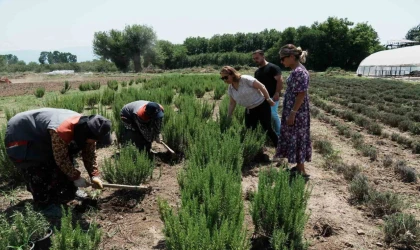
(83, 53)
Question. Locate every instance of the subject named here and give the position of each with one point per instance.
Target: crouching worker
(142, 122)
(42, 143)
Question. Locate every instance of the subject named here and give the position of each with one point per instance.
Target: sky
(57, 24)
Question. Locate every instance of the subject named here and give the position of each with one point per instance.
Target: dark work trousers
(132, 135)
(262, 114)
(46, 182)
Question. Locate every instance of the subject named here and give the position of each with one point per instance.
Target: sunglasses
(224, 78)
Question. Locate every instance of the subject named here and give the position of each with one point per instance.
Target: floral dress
(294, 141)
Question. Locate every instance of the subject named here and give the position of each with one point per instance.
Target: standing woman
(252, 94)
(295, 142)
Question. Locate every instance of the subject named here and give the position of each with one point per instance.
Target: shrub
(25, 227)
(84, 86)
(199, 92)
(107, 97)
(359, 188)
(351, 171)
(219, 91)
(384, 203)
(369, 151)
(39, 92)
(65, 88)
(131, 82)
(95, 85)
(7, 169)
(69, 237)
(130, 167)
(404, 125)
(416, 147)
(92, 99)
(324, 147)
(279, 208)
(123, 84)
(375, 129)
(388, 161)
(72, 102)
(211, 213)
(113, 85)
(407, 173)
(402, 229)
(252, 143)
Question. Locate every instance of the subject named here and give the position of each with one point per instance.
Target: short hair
(231, 71)
(258, 51)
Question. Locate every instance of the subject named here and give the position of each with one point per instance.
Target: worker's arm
(89, 159)
(61, 156)
(279, 87)
(232, 106)
(264, 91)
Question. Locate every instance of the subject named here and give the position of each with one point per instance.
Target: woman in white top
(247, 91)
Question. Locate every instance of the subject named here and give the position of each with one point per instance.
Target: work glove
(81, 182)
(158, 140)
(97, 183)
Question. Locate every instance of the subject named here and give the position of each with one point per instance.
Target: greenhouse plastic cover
(408, 56)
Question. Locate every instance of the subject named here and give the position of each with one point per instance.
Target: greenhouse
(395, 62)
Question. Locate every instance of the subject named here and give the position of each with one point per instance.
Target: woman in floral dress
(294, 141)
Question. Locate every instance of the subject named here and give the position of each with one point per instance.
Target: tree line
(336, 42)
(56, 57)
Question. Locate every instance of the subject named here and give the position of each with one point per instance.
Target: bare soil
(130, 220)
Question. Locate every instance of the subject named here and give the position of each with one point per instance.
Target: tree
(414, 34)
(43, 57)
(364, 41)
(139, 39)
(166, 51)
(2, 61)
(56, 57)
(214, 44)
(112, 46)
(196, 45)
(227, 43)
(10, 59)
(180, 58)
